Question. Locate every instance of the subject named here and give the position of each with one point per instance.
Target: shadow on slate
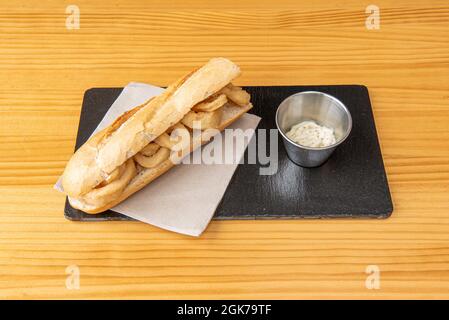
(351, 184)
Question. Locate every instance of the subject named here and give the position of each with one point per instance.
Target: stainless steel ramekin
(320, 107)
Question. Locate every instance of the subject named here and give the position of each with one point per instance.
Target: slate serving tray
(351, 184)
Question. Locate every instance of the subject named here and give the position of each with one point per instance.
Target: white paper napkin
(184, 199)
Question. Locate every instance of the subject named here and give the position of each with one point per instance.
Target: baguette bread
(133, 151)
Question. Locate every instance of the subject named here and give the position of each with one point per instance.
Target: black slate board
(351, 184)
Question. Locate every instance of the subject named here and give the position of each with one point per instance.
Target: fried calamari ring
(164, 141)
(150, 149)
(206, 120)
(159, 150)
(212, 103)
(153, 160)
(101, 194)
(236, 95)
(176, 126)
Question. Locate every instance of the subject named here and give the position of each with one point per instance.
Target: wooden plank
(45, 69)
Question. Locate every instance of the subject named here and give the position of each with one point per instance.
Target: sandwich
(148, 140)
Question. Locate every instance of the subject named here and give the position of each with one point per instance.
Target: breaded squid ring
(206, 120)
(158, 151)
(166, 141)
(236, 95)
(178, 126)
(150, 149)
(181, 135)
(154, 160)
(103, 193)
(212, 103)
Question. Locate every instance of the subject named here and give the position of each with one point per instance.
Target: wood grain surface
(45, 69)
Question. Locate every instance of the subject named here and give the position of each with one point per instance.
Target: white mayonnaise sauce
(311, 134)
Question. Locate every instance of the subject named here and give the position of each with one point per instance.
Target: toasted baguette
(110, 148)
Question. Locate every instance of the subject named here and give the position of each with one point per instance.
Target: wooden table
(45, 69)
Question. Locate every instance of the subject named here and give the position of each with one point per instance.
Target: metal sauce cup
(322, 108)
